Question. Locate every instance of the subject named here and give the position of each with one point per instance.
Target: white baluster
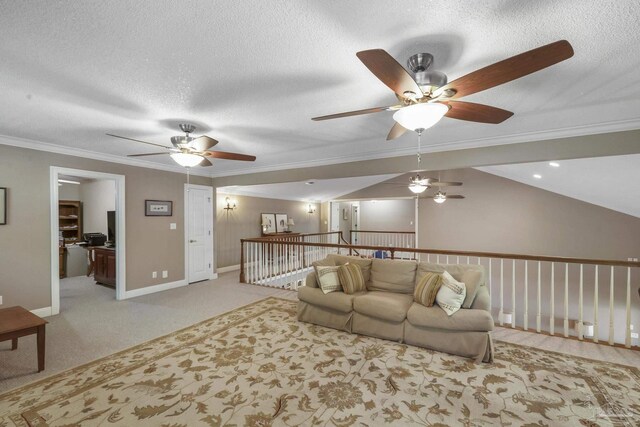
(526, 295)
(566, 299)
(513, 293)
(552, 319)
(457, 259)
(501, 312)
(627, 339)
(595, 307)
(467, 260)
(438, 259)
(611, 317)
(539, 314)
(447, 259)
(580, 306)
(490, 282)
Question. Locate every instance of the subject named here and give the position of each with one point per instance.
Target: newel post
(393, 253)
(242, 261)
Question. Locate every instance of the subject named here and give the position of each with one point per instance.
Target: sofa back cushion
(351, 278)
(365, 264)
(393, 276)
(472, 275)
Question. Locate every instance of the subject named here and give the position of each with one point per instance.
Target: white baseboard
(229, 268)
(213, 276)
(43, 312)
(155, 288)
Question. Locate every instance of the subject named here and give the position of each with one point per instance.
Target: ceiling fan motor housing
(429, 80)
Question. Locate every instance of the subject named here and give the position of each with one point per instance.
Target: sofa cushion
(458, 271)
(322, 263)
(328, 278)
(365, 264)
(383, 305)
(427, 289)
(351, 279)
(338, 301)
(468, 320)
(393, 276)
(451, 294)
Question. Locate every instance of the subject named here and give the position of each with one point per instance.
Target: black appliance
(111, 228)
(94, 239)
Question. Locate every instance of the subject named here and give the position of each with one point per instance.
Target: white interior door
(199, 233)
(335, 216)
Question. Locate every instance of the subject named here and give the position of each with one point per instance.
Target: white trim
(88, 154)
(43, 312)
(229, 268)
(121, 265)
(210, 246)
(155, 288)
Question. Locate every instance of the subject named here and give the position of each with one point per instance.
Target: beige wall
(244, 222)
(25, 240)
(387, 215)
(97, 198)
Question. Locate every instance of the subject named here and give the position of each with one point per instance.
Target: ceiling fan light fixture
(420, 116)
(187, 160)
(440, 197)
(417, 188)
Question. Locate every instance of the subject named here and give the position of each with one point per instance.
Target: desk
(16, 322)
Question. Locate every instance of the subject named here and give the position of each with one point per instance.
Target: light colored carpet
(258, 366)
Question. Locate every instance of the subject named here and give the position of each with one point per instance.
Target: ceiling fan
(189, 151)
(426, 97)
(441, 197)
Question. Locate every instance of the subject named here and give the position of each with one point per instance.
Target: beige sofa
(387, 309)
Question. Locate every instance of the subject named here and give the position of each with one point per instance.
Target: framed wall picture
(158, 208)
(281, 223)
(268, 222)
(3, 205)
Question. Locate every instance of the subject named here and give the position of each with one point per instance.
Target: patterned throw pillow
(451, 294)
(328, 278)
(351, 278)
(322, 263)
(427, 289)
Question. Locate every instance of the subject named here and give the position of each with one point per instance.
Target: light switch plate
(172, 226)
(0, 299)
(165, 274)
(154, 275)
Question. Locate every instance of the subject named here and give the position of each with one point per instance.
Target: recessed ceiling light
(554, 164)
(537, 176)
(310, 182)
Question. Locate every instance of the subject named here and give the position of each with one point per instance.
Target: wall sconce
(230, 205)
(310, 209)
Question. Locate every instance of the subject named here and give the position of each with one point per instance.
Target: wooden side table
(16, 322)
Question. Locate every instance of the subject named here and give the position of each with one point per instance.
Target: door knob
(192, 241)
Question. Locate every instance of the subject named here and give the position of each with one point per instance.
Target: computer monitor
(111, 227)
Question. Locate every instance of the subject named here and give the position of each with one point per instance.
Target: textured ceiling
(252, 74)
(611, 182)
(321, 190)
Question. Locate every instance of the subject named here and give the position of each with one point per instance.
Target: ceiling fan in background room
(425, 97)
(189, 151)
(441, 197)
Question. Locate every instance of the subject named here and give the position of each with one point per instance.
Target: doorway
(69, 250)
(198, 217)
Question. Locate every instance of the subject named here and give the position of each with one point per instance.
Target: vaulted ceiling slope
(252, 74)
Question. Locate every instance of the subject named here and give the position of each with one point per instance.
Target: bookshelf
(70, 220)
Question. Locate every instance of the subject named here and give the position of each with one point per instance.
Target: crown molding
(256, 194)
(87, 154)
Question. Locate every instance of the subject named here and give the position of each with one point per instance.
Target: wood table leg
(41, 332)
(14, 343)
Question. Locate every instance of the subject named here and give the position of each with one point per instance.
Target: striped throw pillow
(427, 289)
(351, 278)
(328, 278)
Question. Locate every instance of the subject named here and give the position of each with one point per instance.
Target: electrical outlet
(165, 274)
(172, 226)
(154, 275)
(631, 327)
(634, 335)
(0, 299)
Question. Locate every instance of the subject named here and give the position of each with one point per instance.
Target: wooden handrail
(382, 232)
(544, 258)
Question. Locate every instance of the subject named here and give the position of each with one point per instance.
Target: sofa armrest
(311, 280)
(483, 299)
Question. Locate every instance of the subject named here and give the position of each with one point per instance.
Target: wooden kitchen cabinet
(105, 266)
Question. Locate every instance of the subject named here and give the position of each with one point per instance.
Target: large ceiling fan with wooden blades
(189, 151)
(426, 96)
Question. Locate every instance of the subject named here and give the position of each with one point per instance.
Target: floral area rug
(258, 366)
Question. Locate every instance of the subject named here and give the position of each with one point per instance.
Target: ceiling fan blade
(147, 154)
(202, 143)
(445, 184)
(396, 131)
(510, 69)
(455, 196)
(137, 140)
(205, 162)
(390, 72)
(476, 112)
(357, 112)
(228, 156)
